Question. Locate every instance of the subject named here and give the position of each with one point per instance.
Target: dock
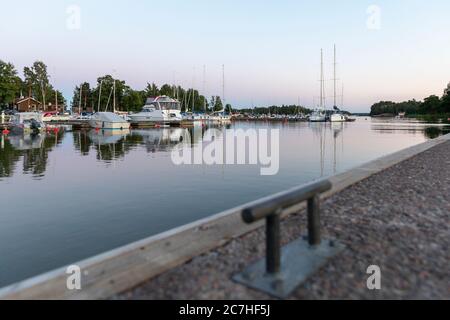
(392, 212)
(396, 219)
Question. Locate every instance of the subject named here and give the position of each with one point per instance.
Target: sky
(386, 49)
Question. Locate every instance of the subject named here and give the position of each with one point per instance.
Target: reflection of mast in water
(337, 128)
(322, 150)
(319, 128)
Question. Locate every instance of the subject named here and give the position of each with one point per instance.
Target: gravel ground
(397, 219)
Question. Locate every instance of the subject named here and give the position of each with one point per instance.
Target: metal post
(273, 251)
(314, 220)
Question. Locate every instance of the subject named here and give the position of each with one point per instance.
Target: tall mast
(321, 79)
(204, 88)
(223, 87)
(334, 78)
(99, 95)
(193, 92)
(342, 96)
(114, 96)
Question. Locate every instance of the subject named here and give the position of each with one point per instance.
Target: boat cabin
(161, 103)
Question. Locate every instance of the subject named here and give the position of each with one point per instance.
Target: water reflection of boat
(101, 137)
(162, 139)
(26, 141)
(27, 122)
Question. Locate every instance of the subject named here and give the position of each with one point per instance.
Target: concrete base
(298, 261)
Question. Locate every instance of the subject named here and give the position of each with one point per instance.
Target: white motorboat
(161, 109)
(27, 122)
(220, 117)
(318, 116)
(338, 117)
(108, 120)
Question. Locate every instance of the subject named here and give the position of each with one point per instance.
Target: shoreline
(395, 219)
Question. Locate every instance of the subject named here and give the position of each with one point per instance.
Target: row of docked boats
(336, 116)
(159, 111)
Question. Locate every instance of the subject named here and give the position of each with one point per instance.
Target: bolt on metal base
(299, 260)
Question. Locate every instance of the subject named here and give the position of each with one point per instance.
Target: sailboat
(319, 115)
(337, 115)
(108, 120)
(221, 116)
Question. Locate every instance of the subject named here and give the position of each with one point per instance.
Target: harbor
(360, 211)
(221, 159)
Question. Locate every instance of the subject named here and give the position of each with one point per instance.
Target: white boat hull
(338, 118)
(157, 116)
(317, 119)
(109, 125)
(109, 121)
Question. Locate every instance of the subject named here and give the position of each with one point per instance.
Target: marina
(207, 150)
(140, 160)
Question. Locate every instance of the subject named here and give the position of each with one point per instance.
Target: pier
(392, 212)
(396, 219)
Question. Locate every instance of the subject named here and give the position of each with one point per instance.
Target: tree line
(35, 83)
(432, 105)
(283, 109)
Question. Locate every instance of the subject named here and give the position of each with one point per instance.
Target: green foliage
(37, 79)
(431, 105)
(132, 100)
(216, 103)
(128, 99)
(284, 109)
(10, 84)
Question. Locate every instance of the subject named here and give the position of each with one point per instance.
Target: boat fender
(5, 131)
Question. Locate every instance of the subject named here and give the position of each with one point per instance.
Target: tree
(10, 84)
(218, 106)
(430, 105)
(167, 90)
(87, 100)
(106, 94)
(151, 90)
(52, 98)
(445, 104)
(37, 79)
(228, 108)
(132, 100)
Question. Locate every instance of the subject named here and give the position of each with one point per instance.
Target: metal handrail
(271, 210)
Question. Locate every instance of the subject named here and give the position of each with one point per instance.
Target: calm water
(71, 195)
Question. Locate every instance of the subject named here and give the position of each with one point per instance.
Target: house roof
(20, 100)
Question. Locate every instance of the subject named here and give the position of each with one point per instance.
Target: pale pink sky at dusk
(396, 50)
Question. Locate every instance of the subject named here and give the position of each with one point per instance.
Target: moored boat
(338, 117)
(108, 120)
(27, 122)
(162, 109)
